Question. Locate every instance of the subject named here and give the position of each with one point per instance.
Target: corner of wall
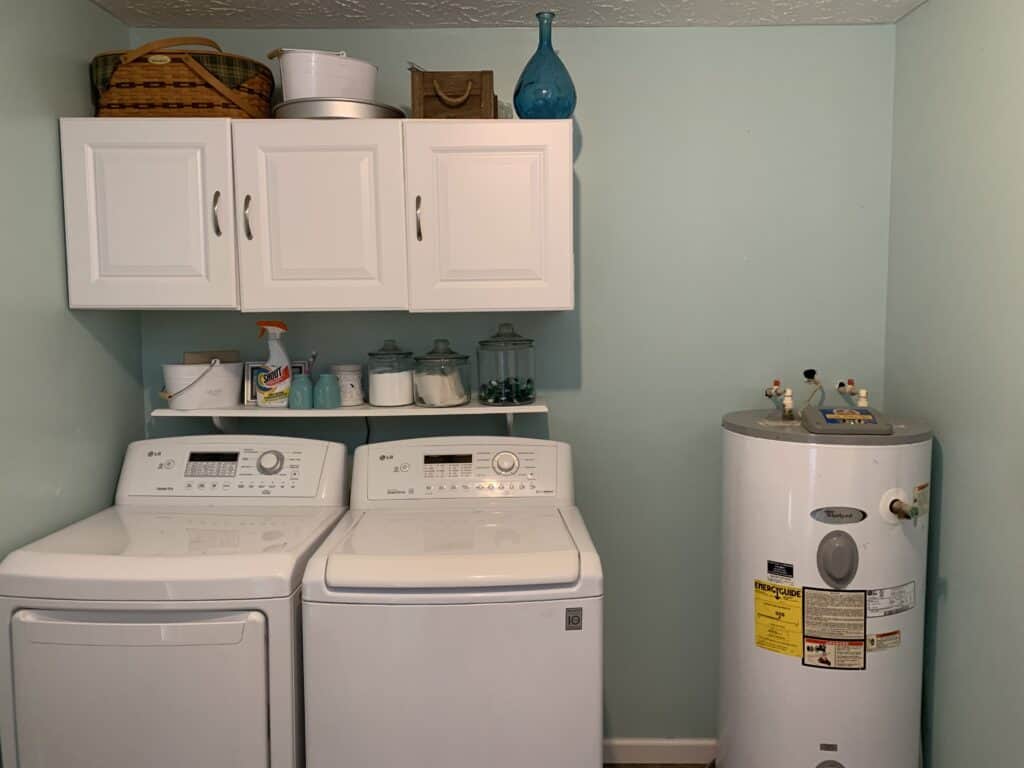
(75, 401)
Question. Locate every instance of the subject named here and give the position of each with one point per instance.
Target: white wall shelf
(222, 416)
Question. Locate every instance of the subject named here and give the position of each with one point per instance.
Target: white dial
(270, 462)
(505, 463)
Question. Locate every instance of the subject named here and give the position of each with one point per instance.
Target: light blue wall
(954, 354)
(732, 226)
(71, 393)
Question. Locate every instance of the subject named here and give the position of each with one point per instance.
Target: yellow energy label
(778, 618)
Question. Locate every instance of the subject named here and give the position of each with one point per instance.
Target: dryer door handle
(139, 628)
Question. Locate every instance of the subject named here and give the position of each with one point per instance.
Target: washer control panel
(246, 469)
(461, 472)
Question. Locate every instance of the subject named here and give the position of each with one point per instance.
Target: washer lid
(171, 552)
(455, 549)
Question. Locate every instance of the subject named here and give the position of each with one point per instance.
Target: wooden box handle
(453, 101)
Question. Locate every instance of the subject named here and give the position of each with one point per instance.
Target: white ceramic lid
(455, 549)
(164, 552)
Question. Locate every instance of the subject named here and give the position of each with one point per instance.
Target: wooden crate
(453, 95)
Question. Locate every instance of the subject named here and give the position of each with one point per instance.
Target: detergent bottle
(274, 379)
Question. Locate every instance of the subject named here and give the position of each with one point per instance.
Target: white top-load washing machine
(163, 631)
(453, 619)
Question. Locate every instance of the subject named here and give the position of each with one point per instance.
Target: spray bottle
(274, 380)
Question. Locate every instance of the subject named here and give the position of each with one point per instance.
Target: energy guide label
(778, 618)
(834, 629)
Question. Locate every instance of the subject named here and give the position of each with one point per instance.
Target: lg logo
(573, 619)
(386, 456)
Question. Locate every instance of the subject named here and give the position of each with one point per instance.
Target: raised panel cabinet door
(490, 223)
(149, 213)
(321, 222)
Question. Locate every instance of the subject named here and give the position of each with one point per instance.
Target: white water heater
(825, 557)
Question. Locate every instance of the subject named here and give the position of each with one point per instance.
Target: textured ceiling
(500, 13)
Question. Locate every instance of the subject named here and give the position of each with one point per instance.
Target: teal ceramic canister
(327, 393)
(301, 394)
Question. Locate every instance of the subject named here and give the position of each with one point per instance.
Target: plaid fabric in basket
(175, 92)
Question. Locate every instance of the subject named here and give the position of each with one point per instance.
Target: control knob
(505, 463)
(270, 462)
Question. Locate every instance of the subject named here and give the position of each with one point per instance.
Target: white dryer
(453, 619)
(163, 631)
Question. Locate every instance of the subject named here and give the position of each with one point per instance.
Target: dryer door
(96, 689)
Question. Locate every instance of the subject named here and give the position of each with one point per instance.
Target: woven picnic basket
(160, 80)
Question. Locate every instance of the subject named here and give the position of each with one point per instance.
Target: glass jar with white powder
(442, 377)
(390, 375)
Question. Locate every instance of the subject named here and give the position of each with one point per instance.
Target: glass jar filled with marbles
(505, 366)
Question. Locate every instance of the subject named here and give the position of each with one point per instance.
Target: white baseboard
(653, 751)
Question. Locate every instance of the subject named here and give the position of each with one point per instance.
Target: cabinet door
(148, 213)
(322, 214)
(491, 214)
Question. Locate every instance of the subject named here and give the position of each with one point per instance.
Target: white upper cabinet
(279, 215)
(490, 215)
(321, 214)
(149, 213)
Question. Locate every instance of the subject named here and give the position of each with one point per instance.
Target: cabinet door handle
(246, 207)
(419, 218)
(216, 213)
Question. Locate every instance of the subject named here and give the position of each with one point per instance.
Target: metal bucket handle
(168, 396)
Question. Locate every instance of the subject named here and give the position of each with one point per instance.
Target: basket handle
(167, 42)
(218, 86)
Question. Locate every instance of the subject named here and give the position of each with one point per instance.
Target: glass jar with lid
(442, 377)
(390, 375)
(505, 365)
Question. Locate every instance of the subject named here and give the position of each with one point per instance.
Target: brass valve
(904, 510)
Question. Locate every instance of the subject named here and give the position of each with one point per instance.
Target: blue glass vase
(545, 90)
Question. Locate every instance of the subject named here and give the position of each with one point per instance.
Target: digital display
(212, 456)
(450, 458)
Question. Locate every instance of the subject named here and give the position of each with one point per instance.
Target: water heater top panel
(770, 426)
(846, 420)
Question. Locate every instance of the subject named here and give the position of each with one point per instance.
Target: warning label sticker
(886, 641)
(892, 600)
(835, 614)
(848, 416)
(778, 618)
(835, 628)
(834, 654)
(923, 499)
(780, 573)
